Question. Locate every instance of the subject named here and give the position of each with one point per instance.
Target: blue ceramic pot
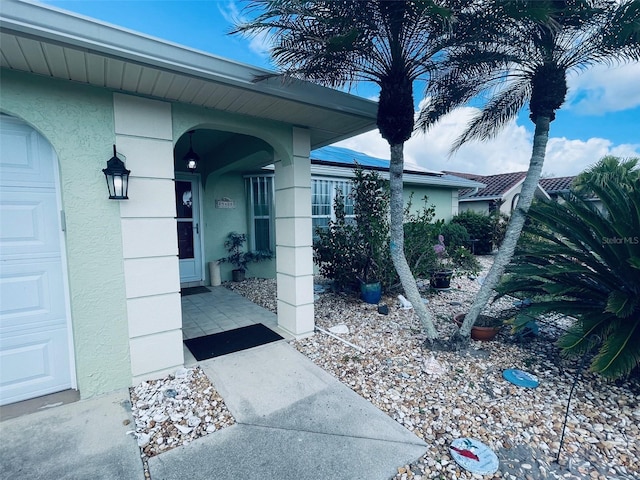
(371, 292)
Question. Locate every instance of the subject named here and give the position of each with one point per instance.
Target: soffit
(46, 41)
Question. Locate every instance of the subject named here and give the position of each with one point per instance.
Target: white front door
(189, 231)
(34, 327)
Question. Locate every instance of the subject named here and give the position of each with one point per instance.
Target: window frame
(334, 184)
(266, 179)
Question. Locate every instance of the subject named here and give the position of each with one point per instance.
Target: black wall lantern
(117, 178)
(191, 159)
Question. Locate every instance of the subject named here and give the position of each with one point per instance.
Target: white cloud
(510, 151)
(259, 43)
(604, 89)
(569, 157)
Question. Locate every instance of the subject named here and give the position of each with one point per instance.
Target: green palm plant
(522, 54)
(585, 263)
(339, 43)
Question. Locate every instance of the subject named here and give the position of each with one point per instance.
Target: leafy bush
(335, 252)
(421, 244)
(350, 253)
(420, 234)
(479, 227)
(499, 225)
(353, 252)
(584, 263)
(464, 261)
(456, 235)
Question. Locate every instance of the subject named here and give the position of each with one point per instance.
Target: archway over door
(35, 344)
(223, 159)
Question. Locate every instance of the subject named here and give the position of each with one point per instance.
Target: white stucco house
(91, 286)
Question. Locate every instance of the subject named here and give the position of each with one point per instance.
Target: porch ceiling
(54, 43)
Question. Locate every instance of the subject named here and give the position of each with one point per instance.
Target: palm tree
(527, 50)
(608, 171)
(339, 43)
(584, 262)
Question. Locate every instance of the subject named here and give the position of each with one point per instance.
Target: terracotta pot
(477, 333)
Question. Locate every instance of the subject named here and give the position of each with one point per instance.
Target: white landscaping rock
(433, 366)
(339, 329)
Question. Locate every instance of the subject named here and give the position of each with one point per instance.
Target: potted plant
(370, 286)
(487, 325)
(239, 259)
(448, 264)
(442, 273)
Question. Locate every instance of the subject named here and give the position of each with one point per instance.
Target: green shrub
(353, 252)
(480, 228)
(584, 263)
(336, 253)
(456, 235)
(499, 225)
(420, 234)
(464, 261)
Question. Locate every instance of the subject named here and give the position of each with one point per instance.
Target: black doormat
(193, 290)
(231, 341)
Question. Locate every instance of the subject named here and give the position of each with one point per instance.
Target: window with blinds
(260, 190)
(323, 194)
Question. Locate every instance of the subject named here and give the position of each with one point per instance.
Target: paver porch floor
(220, 310)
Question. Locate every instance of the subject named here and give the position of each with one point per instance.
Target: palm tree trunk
(514, 228)
(396, 168)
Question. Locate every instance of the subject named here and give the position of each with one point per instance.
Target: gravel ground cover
(174, 411)
(441, 396)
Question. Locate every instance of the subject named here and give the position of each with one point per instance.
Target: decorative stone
(193, 421)
(339, 329)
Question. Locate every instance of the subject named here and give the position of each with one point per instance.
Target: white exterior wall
(144, 137)
(508, 200)
(294, 250)
(478, 207)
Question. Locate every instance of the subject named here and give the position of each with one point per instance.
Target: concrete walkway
(294, 421)
(82, 440)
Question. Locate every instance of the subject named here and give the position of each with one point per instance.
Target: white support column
(152, 279)
(294, 252)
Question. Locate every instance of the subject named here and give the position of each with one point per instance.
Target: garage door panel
(34, 323)
(28, 290)
(29, 223)
(33, 364)
(26, 156)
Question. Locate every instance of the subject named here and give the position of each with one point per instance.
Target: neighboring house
(559, 186)
(90, 287)
(501, 192)
(556, 186)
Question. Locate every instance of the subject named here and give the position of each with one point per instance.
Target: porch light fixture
(191, 159)
(117, 178)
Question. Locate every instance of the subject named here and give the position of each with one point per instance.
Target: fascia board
(80, 32)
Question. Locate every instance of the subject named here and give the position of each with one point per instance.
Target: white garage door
(34, 331)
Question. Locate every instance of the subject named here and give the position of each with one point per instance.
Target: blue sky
(601, 115)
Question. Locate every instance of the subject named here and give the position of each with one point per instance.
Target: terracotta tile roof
(556, 185)
(496, 185)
